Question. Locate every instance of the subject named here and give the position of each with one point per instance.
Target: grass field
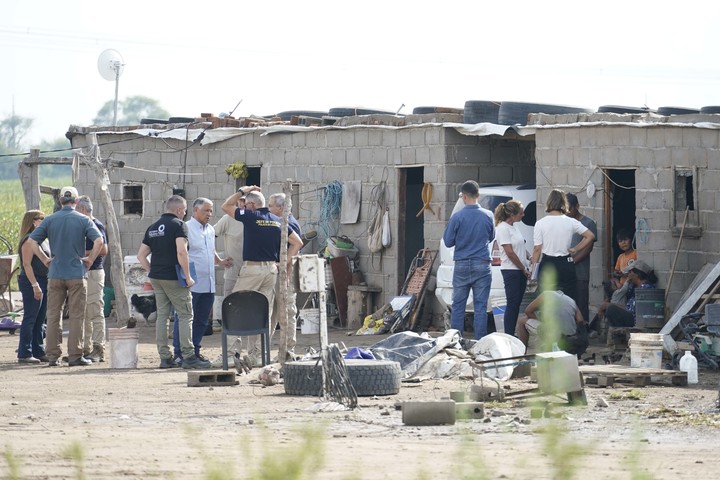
(12, 209)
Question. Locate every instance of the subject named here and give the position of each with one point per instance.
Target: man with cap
(67, 231)
(639, 275)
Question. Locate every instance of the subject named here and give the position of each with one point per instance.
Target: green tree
(12, 132)
(130, 111)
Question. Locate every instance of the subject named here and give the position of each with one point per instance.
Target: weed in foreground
(75, 452)
(13, 464)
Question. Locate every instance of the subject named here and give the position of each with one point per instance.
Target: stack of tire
(512, 113)
(622, 109)
(354, 111)
(286, 116)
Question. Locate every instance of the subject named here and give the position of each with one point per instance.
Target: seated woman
(640, 275)
(556, 318)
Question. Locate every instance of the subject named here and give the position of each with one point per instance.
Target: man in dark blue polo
(261, 244)
(470, 231)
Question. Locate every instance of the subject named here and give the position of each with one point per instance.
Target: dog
(145, 305)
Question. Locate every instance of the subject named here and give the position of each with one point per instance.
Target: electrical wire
(114, 142)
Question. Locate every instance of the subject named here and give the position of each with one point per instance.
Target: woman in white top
(514, 259)
(552, 238)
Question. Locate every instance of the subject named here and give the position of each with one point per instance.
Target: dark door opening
(619, 210)
(411, 228)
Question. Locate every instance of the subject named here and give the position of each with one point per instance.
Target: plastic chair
(245, 313)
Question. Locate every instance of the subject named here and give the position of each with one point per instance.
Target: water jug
(688, 363)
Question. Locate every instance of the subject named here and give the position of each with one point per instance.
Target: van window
(530, 216)
(492, 201)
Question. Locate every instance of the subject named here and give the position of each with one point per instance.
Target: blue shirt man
(67, 230)
(470, 231)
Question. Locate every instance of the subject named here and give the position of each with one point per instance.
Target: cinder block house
(401, 160)
(659, 175)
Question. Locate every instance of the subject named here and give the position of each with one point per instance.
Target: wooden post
(30, 180)
(282, 294)
(115, 248)
(677, 251)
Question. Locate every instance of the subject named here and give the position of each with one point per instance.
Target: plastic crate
(649, 307)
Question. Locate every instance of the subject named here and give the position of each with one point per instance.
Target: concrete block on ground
(469, 411)
(214, 378)
(441, 412)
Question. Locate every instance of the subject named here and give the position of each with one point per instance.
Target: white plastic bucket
(123, 347)
(311, 320)
(646, 350)
(499, 316)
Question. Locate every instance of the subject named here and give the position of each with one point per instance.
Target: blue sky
(198, 57)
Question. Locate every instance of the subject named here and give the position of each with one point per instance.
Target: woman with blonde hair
(514, 259)
(552, 238)
(32, 282)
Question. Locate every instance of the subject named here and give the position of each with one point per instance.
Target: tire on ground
(368, 377)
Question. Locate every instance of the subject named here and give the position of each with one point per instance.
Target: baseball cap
(637, 265)
(69, 192)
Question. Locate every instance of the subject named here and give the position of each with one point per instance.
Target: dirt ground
(96, 422)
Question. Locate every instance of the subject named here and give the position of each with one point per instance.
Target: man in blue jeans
(201, 251)
(470, 231)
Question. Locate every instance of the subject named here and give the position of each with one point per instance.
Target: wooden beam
(114, 246)
(47, 160)
(30, 180)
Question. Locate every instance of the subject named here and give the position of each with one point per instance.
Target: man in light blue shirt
(202, 254)
(470, 231)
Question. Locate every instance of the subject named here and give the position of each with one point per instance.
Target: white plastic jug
(688, 363)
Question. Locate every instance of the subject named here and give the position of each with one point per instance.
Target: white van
(490, 198)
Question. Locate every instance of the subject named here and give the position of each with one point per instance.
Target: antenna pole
(116, 67)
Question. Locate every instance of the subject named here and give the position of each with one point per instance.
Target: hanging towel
(351, 201)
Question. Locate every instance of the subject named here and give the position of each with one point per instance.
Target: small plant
(633, 394)
(75, 452)
(237, 170)
(13, 464)
(564, 453)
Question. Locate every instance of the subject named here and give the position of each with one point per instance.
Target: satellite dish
(111, 66)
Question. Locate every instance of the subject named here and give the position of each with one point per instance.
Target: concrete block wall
(314, 159)
(569, 158)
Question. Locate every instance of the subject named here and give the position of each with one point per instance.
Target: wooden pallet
(606, 375)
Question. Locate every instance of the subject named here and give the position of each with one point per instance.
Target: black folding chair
(246, 313)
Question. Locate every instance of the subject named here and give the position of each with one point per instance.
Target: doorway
(411, 227)
(619, 211)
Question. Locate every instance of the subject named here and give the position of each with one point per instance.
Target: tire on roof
(481, 111)
(512, 113)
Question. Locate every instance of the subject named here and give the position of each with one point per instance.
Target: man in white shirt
(203, 257)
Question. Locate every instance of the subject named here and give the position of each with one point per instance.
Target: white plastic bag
(386, 237)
